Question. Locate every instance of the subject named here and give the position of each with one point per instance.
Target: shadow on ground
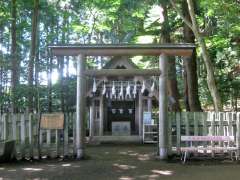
(121, 162)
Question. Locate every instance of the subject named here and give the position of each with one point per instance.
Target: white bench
(227, 147)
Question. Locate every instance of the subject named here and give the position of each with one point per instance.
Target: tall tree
(32, 56)
(204, 52)
(190, 67)
(14, 58)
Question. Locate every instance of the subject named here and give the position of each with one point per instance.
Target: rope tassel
(94, 86)
(128, 91)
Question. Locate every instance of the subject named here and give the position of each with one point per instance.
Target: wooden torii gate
(161, 50)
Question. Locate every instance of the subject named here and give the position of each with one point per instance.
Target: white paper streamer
(143, 87)
(153, 87)
(94, 89)
(121, 93)
(104, 89)
(128, 91)
(135, 90)
(113, 94)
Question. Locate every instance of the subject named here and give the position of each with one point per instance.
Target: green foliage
(115, 21)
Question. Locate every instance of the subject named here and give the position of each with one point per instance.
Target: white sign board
(147, 117)
(121, 128)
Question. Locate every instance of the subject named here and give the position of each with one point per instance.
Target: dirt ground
(120, 162)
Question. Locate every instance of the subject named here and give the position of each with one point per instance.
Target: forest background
(31, 79)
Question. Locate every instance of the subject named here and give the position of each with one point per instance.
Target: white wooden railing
(196, 124)
(24, 129)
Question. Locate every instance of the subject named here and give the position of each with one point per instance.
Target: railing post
(238, 134)
(48, 132)
(178, 128)
(31, 137)
(66, 124)
(5, 127)
(14, 126)
(23, 135)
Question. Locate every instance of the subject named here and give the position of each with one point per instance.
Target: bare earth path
(120, 162)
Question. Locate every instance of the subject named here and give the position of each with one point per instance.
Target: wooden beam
(123, 72)
(123, 49)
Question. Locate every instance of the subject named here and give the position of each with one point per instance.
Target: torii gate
(161, 50)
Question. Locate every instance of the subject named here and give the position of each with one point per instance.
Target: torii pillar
(163, 111)
(80, 106)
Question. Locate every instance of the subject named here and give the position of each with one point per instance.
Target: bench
(8, 150)
(229, 148)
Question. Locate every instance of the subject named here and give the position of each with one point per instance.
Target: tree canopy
(30, 78)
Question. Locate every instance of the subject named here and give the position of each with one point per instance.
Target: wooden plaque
(52, 121)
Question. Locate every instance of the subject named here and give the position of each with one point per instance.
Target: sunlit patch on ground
(163, 172)
(66, 165)
(124, 166)
(126, 178)
(141, 157)
(12, 170)
(32, 169)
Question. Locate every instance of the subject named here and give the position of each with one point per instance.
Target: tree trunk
(61, 67)
(15, 62)
(172, 81)
(212, 86)
(190, 68)
(210, 71)
(36, 100)
(32, 55)
(186, 97)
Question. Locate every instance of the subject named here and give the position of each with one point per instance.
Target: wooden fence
(24, 129)
(196, 124)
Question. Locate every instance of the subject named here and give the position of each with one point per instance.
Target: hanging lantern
(128, 91)
(143, 87)
(135, 90)
(104, 88)
(94, 89)
(153, 87)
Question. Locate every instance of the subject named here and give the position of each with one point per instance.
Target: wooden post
(172, 114)
(221, 117)
(66, 125)
(23, 135)
(178, 127)
(149, 104)
(91, 127)
(140, 114)
(163, 119)
(57, 142)
(1, 128)
(48, 131)
(14, 126)
(74, 129)
(5, 127)
(101, 116)
(30, 134)
(80, 107)
(238, 133)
